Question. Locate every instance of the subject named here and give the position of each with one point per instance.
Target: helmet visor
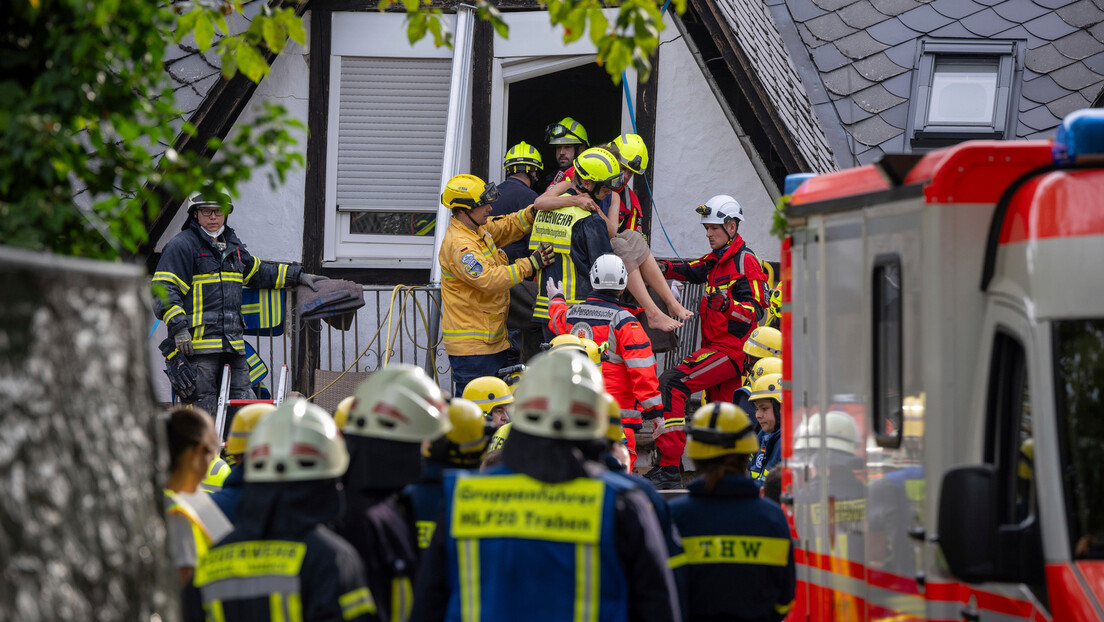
(556, 130)
(633, 164)
(489, 195)
(615, 183)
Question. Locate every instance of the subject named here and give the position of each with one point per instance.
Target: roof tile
(849, 112)
(986, 23)
(1092, 93)
(1019, 32)
(894, 145)
(870, 156)
(1095, 63)
(924, 19)
(832, 5)
(874, 131)
(1097, 31)
(1042, 90)
(1081, 14)
(1047, 135)
(953, 30)
(859, 45)
(892, 32)
(1045, 59)
(989, 2)
(861, 15)
(897, 116)
(878, 67)
(1049, 27)
(901, 85)
(845, 80)
(876, 99)
(808, 38)
(1019, 11)
(956, 9)
(1075, 77)
(1022, 131)
(1039, 118)
(803, 10)
(895, 7)
(1079, 45)
(829, 27)
(827, 58)
(904, 54)
(1053, 4)
(1065, 105)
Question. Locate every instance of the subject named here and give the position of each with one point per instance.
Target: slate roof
(864, 53)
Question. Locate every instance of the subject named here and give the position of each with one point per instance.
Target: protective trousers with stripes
(705, 369)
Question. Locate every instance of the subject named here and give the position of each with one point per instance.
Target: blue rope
(153, 329)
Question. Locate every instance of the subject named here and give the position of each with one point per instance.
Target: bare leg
(652, 275)
(656, 318)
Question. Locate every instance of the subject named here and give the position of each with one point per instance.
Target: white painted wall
(696, 156)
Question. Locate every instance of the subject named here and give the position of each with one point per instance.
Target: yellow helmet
(244, 421)
(1026, 467)
(488, 392)
(566, 342)
(468, 192)
(217, 471)
(634, 153)
(616, 431)
(341, 415)
(767, 387)
(522, 156)
(776, 301)
(718, 429)
(567, 132)
(462, 445)
(763, 342)
(593, 350)
(598, 165)
(499, 438)
(769, 365)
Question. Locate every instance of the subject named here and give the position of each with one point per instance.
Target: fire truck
(943, 413)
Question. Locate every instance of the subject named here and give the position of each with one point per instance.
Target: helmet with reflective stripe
(719, 210)
(718, 429)
(634, 153)
(763, 342)
(567, 132)
(767, 387)
(244, 421)
(468, 192)
(598, 165)
(594, 351)
(462, 445)
(499, 438)
(221, 201)
(562, 397)
(399, 403)
(488, 392)
(217, 471)
(608, 272)
(769, 365)
(839, 432)
(298, 441)
(522, 155)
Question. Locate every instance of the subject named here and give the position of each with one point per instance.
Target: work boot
(666, 478)
(652, 472)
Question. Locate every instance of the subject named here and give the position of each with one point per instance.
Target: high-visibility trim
(214, 611)
(447, 274)
(258, 559)
(676, 561)
(473, 334)
(356, 603)
(231, 276)
(524, 221)
(425, 529)
(281, 276)
(644, 362)
(402, 599)
(169, 277)
(783, 609)
(172, 312)
(468, 550)
(736, 550)
(276, 608)
(587, 583)
(651, 402)
(295, 607)
(253, 269)
(517, 506)
(244, 587)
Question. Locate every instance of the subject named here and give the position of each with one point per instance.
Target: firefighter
(476, 277)
(459, 448)
(493, 397)
(397, 409)
(241, 427)
(281, 562)
(578, 236)
(739, 556)
(735, 297)
(766, 394)
(567, 138)
(630, 369)
(523, 166)
(742, 397)
(216, 475)
(763, 342)
(202, 270)
(542, 536)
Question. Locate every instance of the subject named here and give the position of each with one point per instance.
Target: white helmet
(398, 403)
(561, 397)
(608, 272)
(839, 432)
(719, 210)
(298, 441)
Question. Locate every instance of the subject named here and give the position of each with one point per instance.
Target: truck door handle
(917, 533)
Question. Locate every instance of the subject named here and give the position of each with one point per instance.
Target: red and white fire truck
(943, 320)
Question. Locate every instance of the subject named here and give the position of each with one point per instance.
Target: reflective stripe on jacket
(476, 279)
(176, 505)
(579, 237)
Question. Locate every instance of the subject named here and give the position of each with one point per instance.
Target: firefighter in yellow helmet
(523, 168)
(492, 395)
(545, 508)
(459, 448)
(228, 498)
(739, 557)
(568, 138)
(766, 394)
(476, 277)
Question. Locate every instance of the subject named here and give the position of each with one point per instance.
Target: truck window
(1079, 405)
(886, 370)
(1010, 443)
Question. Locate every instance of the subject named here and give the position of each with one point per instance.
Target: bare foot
(661, 321)
(680, 311)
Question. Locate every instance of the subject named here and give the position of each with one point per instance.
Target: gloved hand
(181, 375)
(183, 341)
(311, 280)
(543, 256)
(718, 301)
(654, 413)
(664, 266)
(553, 288)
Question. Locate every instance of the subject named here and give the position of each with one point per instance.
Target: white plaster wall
(696, 156)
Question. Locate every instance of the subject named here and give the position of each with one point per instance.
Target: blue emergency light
(1080, 138)
(794, 181)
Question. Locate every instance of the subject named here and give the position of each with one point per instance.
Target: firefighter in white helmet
(739, 556)
(281, 559)
(228, 497)
(545, 508)
(396, 409)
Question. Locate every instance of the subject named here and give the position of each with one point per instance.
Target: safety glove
(181, 375)
(718, 301)
(312, 280)
(183, 340)
(543, 256)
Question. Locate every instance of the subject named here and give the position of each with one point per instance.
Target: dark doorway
(584, 93)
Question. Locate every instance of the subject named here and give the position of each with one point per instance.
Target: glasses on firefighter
(208, 212)
(556, 130)
(720, 439)
(615, 183)
(490, 195)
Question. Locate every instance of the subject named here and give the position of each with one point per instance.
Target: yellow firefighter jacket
(476, 279)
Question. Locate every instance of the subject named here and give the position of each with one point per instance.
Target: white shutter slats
(391, 132)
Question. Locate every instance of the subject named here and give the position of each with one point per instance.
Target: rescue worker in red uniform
(735, 299)
(630, 369)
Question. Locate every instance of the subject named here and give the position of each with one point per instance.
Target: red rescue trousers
(709, 370)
